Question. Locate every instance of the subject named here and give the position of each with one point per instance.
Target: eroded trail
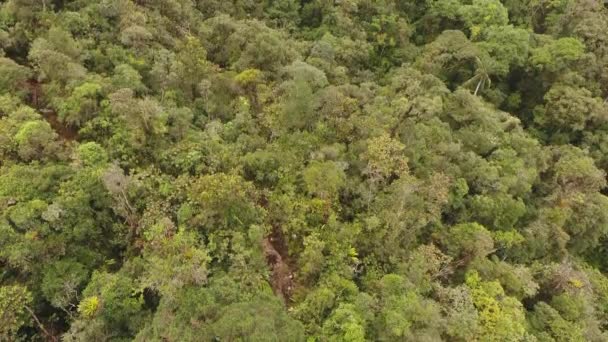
(277, 257)
(65, 132)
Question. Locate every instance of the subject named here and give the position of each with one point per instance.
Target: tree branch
(46, 332)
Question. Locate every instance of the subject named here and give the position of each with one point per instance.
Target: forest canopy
(304, 170)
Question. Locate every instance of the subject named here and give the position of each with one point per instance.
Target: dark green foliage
(282, 170)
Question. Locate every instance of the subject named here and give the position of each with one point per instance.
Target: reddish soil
(66, 133)
(277, 257)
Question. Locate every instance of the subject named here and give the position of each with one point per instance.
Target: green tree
(501, 317)
(323, 179)
(14, 310)
(36, 140)
(13, 76)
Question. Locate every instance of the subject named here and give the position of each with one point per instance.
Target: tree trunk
(478, 86)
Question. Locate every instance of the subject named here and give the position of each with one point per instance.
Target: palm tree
(481, 77)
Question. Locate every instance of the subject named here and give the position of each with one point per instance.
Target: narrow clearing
(277, 257)
(35, 100)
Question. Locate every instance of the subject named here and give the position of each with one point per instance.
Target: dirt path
(65, 132)
(277, 257)
(35, 101)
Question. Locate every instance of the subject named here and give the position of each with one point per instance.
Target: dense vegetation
(303, 170)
